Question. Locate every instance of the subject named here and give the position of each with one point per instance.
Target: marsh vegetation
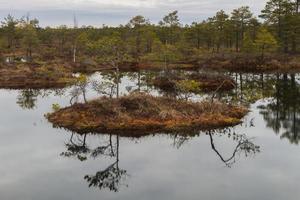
(221, 86)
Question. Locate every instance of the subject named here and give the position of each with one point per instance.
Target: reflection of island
(282, 112)
(109, 178)
(112, 177)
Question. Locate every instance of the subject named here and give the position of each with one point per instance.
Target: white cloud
(119, 11)
(207, 4)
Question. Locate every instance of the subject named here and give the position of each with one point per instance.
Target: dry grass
(272, 63)
(141, 114)
(206, 82)
(33, 76)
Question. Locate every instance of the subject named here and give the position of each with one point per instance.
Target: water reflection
(250, 88)
(27, 98)
(281, 113)
(109, 84)
(158, 163)
(244, 146)
(80, 88)
(281, 110)
(112, 177)
(76, 148)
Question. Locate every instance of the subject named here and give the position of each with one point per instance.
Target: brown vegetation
(235, 62)
(251, 63)
(90, 66)
(141, 114)
(34, 76)
(161, 65)
(204, 82)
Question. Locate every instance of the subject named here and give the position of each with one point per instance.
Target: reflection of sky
(32, 169)
(115, 12)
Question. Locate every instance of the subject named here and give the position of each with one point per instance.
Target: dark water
(259, 159)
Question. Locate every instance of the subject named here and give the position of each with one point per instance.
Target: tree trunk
(118, 80)
(237, 41)
(74, 54)
(262, 52)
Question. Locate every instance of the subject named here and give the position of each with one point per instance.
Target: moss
(142, 114)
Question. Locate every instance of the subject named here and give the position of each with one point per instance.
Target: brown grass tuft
(142, 114)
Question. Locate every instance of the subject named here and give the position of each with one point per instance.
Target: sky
(115, 12)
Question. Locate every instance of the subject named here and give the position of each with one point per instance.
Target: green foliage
(56, 107)
(30, 39)
(9, 26)
(248, 44)
(262, 43)
(170, 28)
(279, 14)
(82, 79)
(82, 40)
(265, 41)
(3, 44)
(188, 86)
(110, 50)
(171, 20)
(169, 41)
(139, 28)
(240, 18)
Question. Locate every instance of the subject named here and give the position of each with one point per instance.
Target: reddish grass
(141, 114)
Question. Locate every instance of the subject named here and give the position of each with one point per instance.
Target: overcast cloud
(114, 12)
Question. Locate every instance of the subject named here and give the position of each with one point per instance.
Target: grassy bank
(35, 76)
(239, 62)
(234, 62)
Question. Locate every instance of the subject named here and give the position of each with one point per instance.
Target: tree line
(276, 29)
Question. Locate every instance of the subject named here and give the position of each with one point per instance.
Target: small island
(194, 82)
(142, 114)
(227, 43)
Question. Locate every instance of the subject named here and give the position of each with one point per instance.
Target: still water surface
(259, 159)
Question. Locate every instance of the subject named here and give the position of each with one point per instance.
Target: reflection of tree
(79, 89)
(110, 85)
(109, 178)
(250, 88)
(112, 176)
(142, 78)
(76, 148)
(180, 140)
(244, 146)
(282, 112)
(27, 98)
